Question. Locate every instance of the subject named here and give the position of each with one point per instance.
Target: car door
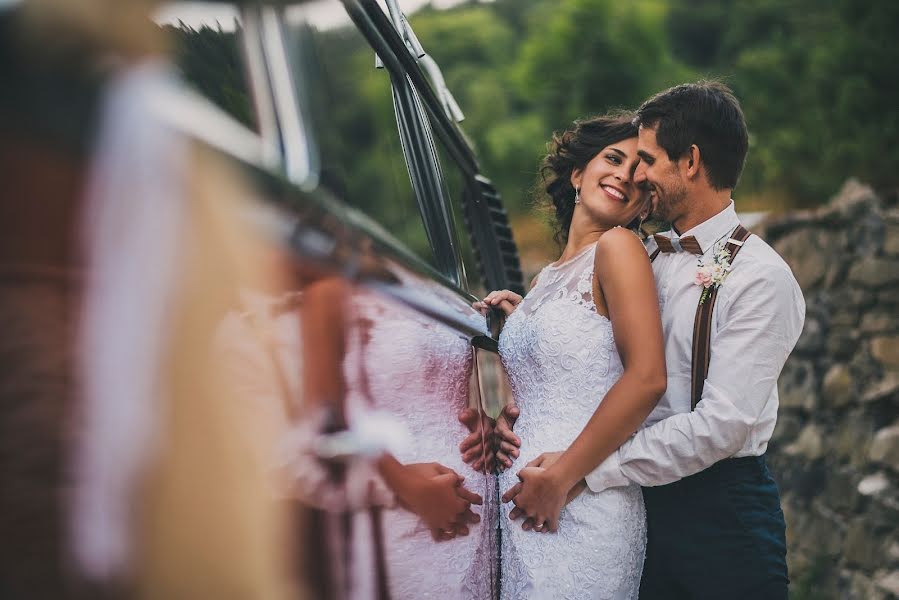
(370, 189)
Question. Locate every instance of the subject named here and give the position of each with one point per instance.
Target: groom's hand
(528, 524)
(573, 493)
(543, 461)
(541, 497)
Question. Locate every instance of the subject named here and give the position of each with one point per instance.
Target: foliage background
(817, 79)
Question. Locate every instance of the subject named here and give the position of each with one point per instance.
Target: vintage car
(337, 144)
(403, 245)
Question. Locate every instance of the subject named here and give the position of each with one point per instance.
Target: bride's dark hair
(573, 149)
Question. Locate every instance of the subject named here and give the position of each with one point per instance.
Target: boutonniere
(711, 272)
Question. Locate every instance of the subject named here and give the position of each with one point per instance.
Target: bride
(584, 355)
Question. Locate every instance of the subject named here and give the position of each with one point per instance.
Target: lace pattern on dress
(556, 282)
(561, 359)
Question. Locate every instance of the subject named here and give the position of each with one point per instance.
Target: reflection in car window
(206, 47)
(355, 126)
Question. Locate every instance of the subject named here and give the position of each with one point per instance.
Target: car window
(206, 47)
(456, 182)
(351, 110)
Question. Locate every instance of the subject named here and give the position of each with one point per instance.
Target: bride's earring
(577, 194)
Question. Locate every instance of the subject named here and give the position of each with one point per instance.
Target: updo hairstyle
(573, 149)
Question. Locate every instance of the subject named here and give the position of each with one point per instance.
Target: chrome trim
(416, 137)
(401, 24)
(299, 162)
(259, 84)
(193, 115)
(395, 56)
(396, 15)
(336, 240)
(411, 39)
(420, 153)
(450, 106)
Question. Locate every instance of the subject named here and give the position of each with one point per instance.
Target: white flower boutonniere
(712, 274)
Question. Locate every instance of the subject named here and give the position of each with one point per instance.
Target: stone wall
(835, 452)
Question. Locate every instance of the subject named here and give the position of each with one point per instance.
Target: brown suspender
(702, 325)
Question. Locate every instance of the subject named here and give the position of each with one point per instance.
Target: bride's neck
(580, 236)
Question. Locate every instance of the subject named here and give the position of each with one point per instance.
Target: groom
(715, 526)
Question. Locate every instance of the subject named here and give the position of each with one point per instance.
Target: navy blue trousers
(716, 535)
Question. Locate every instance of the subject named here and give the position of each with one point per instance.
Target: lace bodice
(561, 359)
(559, 353)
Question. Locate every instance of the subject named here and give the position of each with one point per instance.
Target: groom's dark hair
(705, 113)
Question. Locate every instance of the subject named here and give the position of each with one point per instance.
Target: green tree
(817, 81)
(477, 48)
(587, 56)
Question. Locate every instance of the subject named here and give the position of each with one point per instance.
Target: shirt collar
(711, 230)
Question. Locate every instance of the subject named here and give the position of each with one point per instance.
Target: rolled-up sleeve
(758, 326)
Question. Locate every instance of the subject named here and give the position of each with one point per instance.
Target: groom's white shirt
(758, 318)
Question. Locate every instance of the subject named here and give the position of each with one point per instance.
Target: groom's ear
(692, 162)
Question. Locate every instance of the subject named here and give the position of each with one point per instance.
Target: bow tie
(684, 244)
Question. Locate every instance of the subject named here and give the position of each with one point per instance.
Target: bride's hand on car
(505, 300)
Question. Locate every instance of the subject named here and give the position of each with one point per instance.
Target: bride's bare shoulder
(619, 244)
(622, 265)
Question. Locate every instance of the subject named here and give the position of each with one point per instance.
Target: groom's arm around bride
(715, 527)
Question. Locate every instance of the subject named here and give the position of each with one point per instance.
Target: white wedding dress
(561, 360)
